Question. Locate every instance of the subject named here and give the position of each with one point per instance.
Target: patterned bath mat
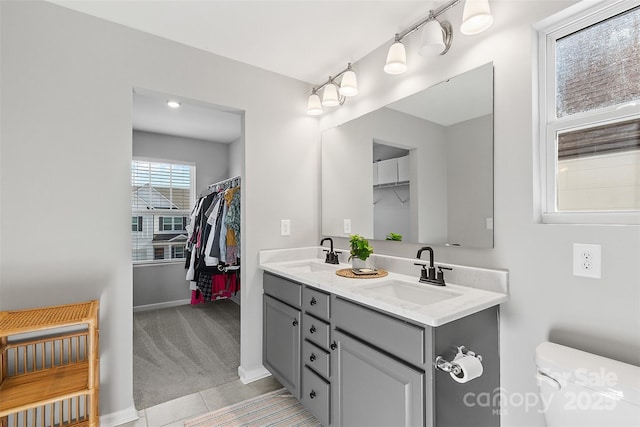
(278, 408)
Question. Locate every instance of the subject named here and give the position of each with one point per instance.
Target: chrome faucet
(429, 275)
(332, 256)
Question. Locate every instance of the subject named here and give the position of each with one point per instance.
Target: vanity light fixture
(173, 104)
(332, 95)
(438, 35)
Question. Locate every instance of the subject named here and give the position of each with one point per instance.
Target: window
(173, 223)
(177, 252)
(136, 223)
(162, 195)
(590, 115)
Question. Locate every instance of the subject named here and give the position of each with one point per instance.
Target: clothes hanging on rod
(213, 242)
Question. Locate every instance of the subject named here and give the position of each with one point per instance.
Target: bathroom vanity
(361, 352)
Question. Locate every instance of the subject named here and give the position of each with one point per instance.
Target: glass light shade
(476, 17)
(396, 59)
(349, 84)
(330, 96)
(314, 106)
(432, 41)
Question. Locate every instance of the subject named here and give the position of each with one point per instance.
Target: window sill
(592, 218)
(158, 262)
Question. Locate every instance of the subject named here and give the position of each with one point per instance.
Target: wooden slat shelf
(46, 372)
(48, 385)
(38, 319)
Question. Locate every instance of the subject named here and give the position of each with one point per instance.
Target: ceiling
(307, 40)
(194, 119)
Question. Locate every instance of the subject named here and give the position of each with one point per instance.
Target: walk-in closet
(186, 184)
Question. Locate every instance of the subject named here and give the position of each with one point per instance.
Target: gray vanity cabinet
(352, 365)
(371, 388)
(316, 354)
(282, 331)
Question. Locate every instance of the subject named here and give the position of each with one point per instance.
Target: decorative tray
(361, 273)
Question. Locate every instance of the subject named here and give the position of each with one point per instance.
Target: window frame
(573, 19)
(165, 212)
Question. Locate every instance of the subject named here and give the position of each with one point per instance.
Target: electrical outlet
(285, 227)
(587, 260)
(489, 223)
(347, 226)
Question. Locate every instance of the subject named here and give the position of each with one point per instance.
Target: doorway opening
(186, 340)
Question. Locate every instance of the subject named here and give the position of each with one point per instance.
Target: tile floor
(175, 412)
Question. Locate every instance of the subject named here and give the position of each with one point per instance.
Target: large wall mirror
(419, 170)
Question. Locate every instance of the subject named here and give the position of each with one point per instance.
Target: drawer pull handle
(333, 345)
(313, 301)
(312, 357)
(312, 394)
(312, 329)
(295, 322)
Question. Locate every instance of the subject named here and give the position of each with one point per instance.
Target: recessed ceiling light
(173, 104)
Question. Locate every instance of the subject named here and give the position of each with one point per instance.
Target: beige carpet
(277, 408)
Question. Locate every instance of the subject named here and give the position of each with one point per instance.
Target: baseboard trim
(159, 305)
(118, 418)
(253, 375)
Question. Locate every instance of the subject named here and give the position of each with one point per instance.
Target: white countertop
(469, 299)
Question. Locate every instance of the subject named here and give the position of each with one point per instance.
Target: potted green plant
(360, 251)
(394, 236)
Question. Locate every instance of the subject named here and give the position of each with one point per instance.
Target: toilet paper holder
(451, 366)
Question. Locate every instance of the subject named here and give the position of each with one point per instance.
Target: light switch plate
(347, 226)
(587, 260)
(285, 227)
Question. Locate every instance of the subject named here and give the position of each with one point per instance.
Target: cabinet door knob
(313, 301)
(312, 394)
(295, 322)
(312, 329)
(333, 345)
(312, 357)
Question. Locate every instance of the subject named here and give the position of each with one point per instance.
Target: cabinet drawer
(316, 330)
(283, 289)
(316, 358)
(316, 302)
(402, 339)
(315, 396)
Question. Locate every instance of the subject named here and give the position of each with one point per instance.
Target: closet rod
(216, 185)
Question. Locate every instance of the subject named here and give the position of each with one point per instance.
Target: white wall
(66, 130)
(547, 301)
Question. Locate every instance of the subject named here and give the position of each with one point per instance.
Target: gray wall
(156, 284)
(211, 158)
(546, 301)
(51, 152)
(470, 182)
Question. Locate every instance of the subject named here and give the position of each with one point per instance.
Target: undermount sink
(310, 267)
(408, 292)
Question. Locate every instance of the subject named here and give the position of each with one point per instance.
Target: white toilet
(581, 389)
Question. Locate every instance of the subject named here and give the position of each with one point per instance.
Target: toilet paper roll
(471, 368)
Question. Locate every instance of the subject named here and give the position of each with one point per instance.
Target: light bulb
(314, 106)
(349, 84)
(432, 39)
(476, 17)
(396, 59)
(330, 96)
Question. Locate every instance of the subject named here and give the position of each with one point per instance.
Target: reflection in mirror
(419, 170)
